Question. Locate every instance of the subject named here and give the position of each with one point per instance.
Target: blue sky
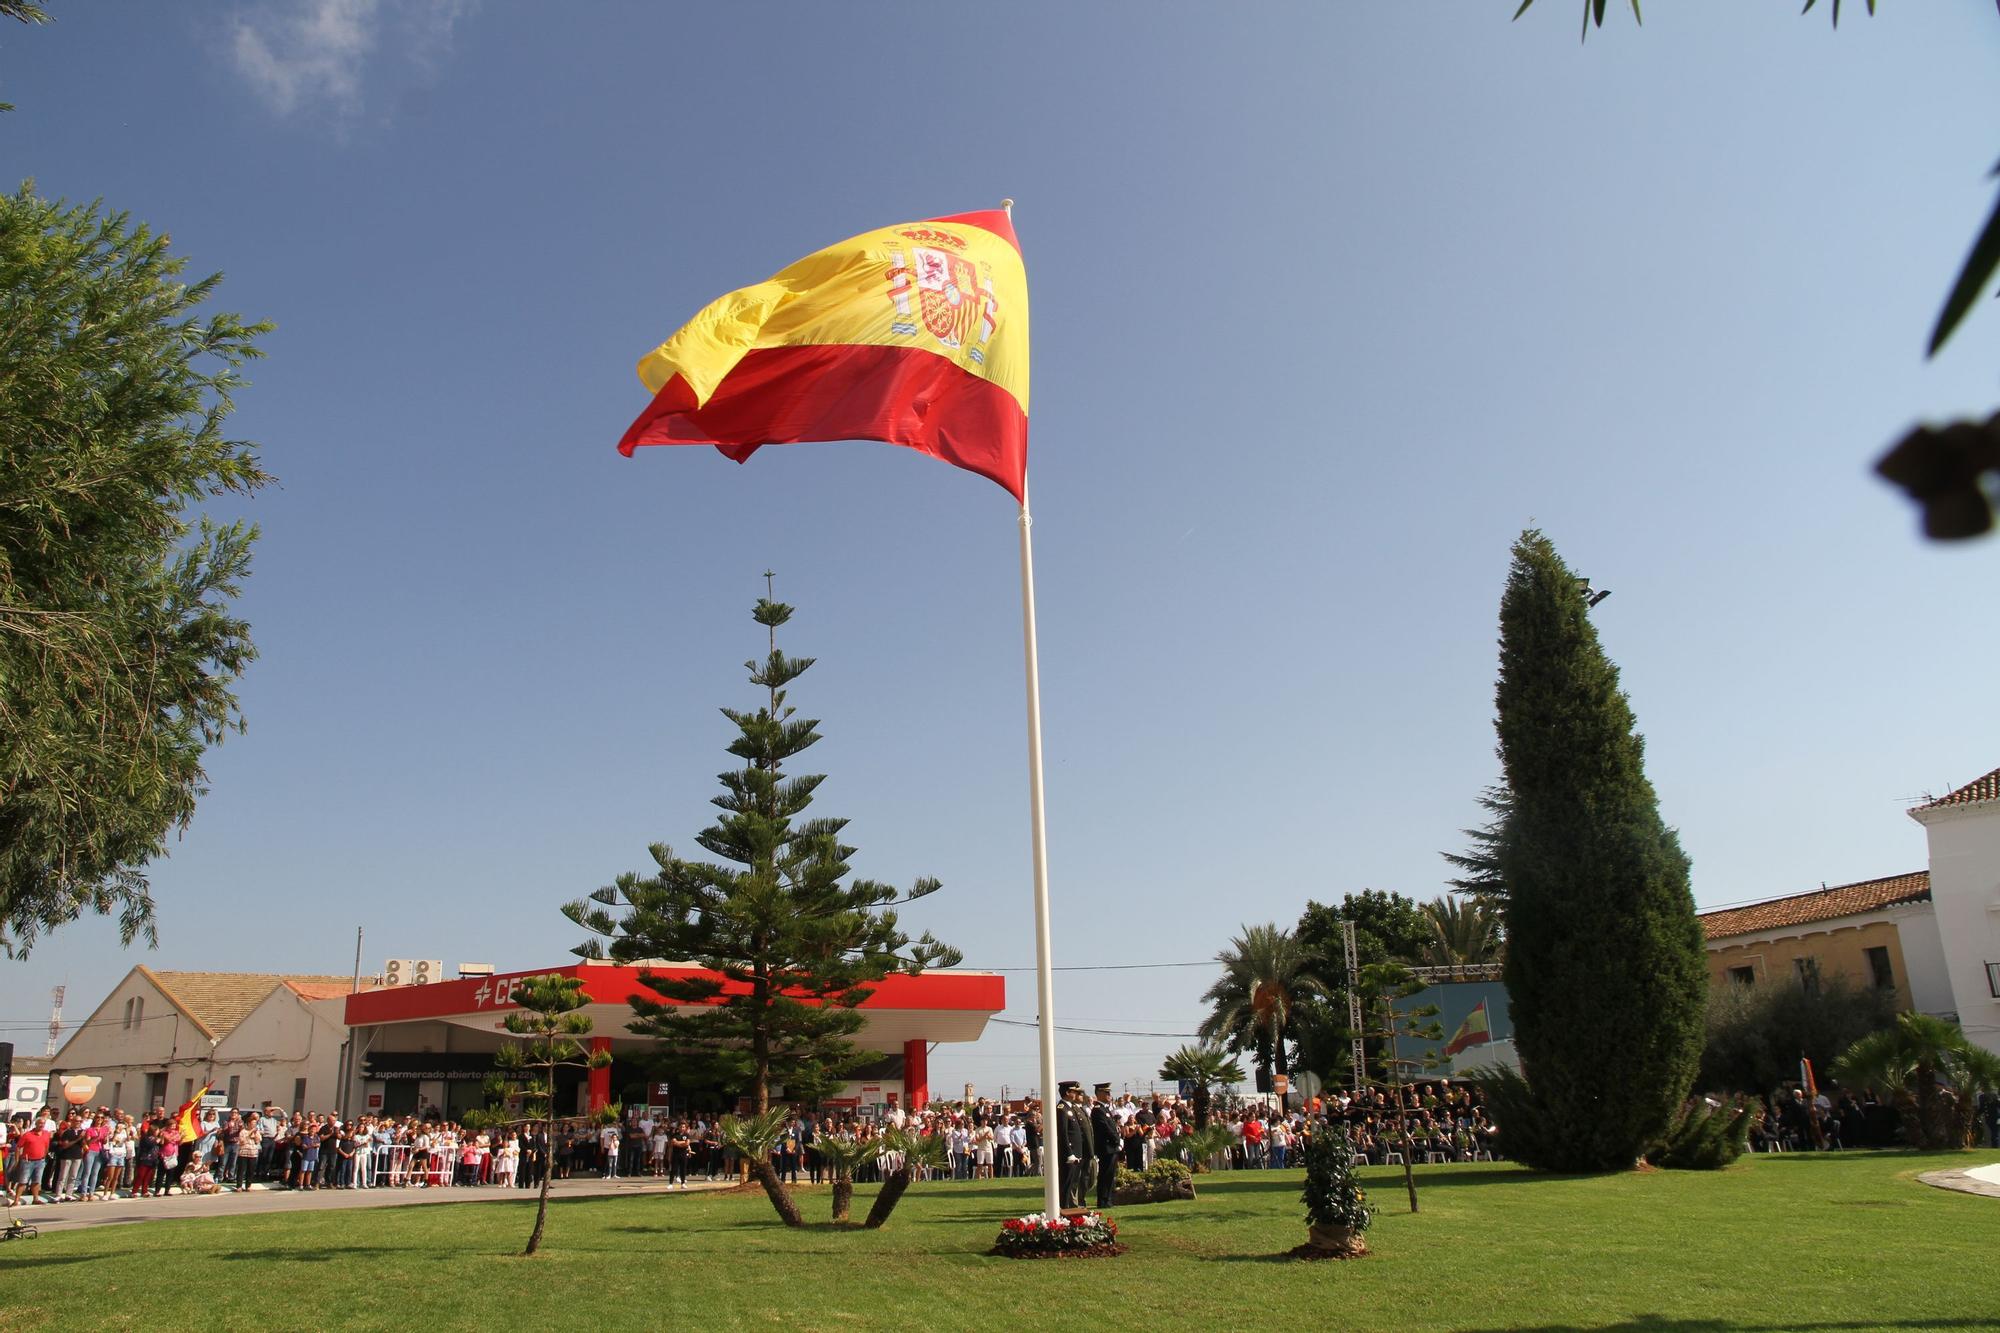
(1331, 301)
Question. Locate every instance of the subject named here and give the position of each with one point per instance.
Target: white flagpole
(1045, 984)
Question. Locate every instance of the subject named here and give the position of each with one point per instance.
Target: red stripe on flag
(995, 220)
(900, 395)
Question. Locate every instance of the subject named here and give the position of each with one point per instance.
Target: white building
(255, 1037)
(1964, 833)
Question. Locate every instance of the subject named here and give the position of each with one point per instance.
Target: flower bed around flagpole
(1088, 1235)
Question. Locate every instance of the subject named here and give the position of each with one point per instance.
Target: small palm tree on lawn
(753, 1137)
(913, 1152)
(842, 1157)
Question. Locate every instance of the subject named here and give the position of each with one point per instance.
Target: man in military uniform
(1104, 1137)
(1073, 1143)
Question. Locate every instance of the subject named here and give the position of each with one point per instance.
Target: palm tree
(914, 1152)
(1978, 1071)
(1466, 930)
(753, 1136)
(1931, 1071)
(1203, 1066)
(1199, 1148)
(1265, 972)
(842, 1157)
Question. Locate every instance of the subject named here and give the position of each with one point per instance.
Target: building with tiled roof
(218, 1001)
(1877, 933)
(1976, 792)
(1933, 934)
(1821, 904)
(255, 1036)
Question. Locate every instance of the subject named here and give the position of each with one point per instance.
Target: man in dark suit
(1104, 1137)
(1073, 1146)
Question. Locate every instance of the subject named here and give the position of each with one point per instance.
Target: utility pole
(347, 1063)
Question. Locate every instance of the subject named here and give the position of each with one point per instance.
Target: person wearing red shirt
(1253, 1141)
(26, 1163)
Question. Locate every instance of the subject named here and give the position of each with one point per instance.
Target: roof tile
(1972, 793)
(326, 990)
(221, 1000)
(1803, 909)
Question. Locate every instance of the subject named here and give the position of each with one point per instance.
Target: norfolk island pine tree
(794, 947)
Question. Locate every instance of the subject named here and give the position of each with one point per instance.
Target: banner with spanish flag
(1474, 1031)
(915, 334)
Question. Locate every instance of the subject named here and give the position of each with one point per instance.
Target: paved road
(69, 1216)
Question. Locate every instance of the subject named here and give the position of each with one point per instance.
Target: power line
(1096, 1032)
(1103, 967)
(41, 1025)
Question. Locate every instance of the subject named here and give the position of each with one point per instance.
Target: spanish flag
(184, 1118)
(915, 334)
(1472, 1032)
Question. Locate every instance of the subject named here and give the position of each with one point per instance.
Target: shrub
(1756, 1034)
(1333, 1197)
(1164, 1172)
(1706, 1135)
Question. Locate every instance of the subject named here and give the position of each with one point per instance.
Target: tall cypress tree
(1605, 967)
(793, 946)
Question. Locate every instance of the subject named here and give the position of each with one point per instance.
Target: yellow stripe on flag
(945, 287)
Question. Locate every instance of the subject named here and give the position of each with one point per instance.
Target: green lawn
(1840, 1241)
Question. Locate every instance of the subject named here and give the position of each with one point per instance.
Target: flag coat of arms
(915, 334)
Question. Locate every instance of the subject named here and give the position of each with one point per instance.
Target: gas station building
(416, 1048)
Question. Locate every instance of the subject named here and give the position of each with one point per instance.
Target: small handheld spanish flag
(184, 1118)
(915, 334)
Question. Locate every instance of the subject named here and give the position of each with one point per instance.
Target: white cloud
(430, 24)
(300, 54)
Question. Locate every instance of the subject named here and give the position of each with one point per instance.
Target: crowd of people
(1797, 1119)
(57, 1156)
(83, 1155)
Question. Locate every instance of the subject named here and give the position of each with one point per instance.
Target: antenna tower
(55, 1018)
(1360, 1053)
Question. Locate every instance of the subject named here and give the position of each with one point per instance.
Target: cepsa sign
(498, 993)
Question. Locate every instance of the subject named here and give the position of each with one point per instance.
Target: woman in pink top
(94, 1136)
(170, 1157)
